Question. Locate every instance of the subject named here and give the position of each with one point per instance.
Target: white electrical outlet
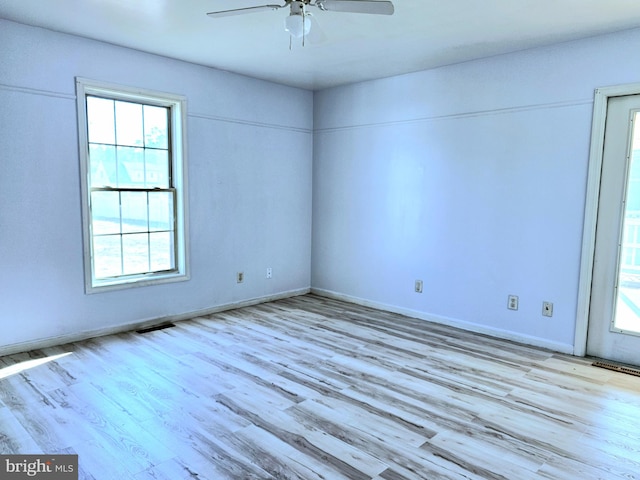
(512, 302)
(269, 272)
(418, 286)
(547, 309)
(240, 277)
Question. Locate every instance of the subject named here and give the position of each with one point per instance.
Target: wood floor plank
(348, 421)
(385, 441)
(280, 459)
(198, 441)
(14, 439)
(290, 434)
(315, 388)
(175, 469)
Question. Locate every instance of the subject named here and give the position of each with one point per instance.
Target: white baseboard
(79, 336)
(469, 326)
(451, 322)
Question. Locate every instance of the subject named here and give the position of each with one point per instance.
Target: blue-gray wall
(249, 174)
(470, 177)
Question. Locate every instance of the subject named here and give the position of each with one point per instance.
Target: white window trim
(178, 106)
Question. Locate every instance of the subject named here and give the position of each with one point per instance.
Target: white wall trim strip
(454, 116)
(68, 96)
(250, 123)
(35, 91)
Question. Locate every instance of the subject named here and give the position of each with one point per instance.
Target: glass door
(626, 318)
(614, 311)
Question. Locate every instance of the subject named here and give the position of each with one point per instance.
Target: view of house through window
(627, 313)
(131, 187)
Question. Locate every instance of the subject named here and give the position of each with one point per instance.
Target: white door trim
(601, 100)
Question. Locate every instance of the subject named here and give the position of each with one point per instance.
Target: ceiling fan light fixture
(297, 25)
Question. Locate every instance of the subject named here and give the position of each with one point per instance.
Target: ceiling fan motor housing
(297, 7)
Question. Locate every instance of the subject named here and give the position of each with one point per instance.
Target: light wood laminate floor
(312, 388)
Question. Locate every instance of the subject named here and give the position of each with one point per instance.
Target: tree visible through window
(133, 196)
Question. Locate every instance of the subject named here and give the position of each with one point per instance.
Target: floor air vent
(618, 368)
(155, 327)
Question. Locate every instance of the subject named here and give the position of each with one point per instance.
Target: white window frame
(177, 105)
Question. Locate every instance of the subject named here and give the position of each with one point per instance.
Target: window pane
(134, 212)
(162, 252)
(133, 226)
(105, 213)
(135, 253)
(160, 211)
(107, 256)
(155, 127)
(129, 124)
(157, 168)
(130, 167)
(628, 235)
(103, 165)
(101, 125)
(634, 167)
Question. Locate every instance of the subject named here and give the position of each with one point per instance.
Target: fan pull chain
(304, 19)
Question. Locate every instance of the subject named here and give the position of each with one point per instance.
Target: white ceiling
(421, 34)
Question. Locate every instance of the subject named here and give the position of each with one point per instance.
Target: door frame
(600, 104)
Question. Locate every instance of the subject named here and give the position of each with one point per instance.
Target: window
(133, 184)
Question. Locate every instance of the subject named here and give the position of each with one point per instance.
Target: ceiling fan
(298, 23)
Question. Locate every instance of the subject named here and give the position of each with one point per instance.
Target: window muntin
(133, 185)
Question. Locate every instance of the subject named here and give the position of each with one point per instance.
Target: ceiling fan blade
(357, 6)
(241, 11)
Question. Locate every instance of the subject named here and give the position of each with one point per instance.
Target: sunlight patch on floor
(28, 364)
